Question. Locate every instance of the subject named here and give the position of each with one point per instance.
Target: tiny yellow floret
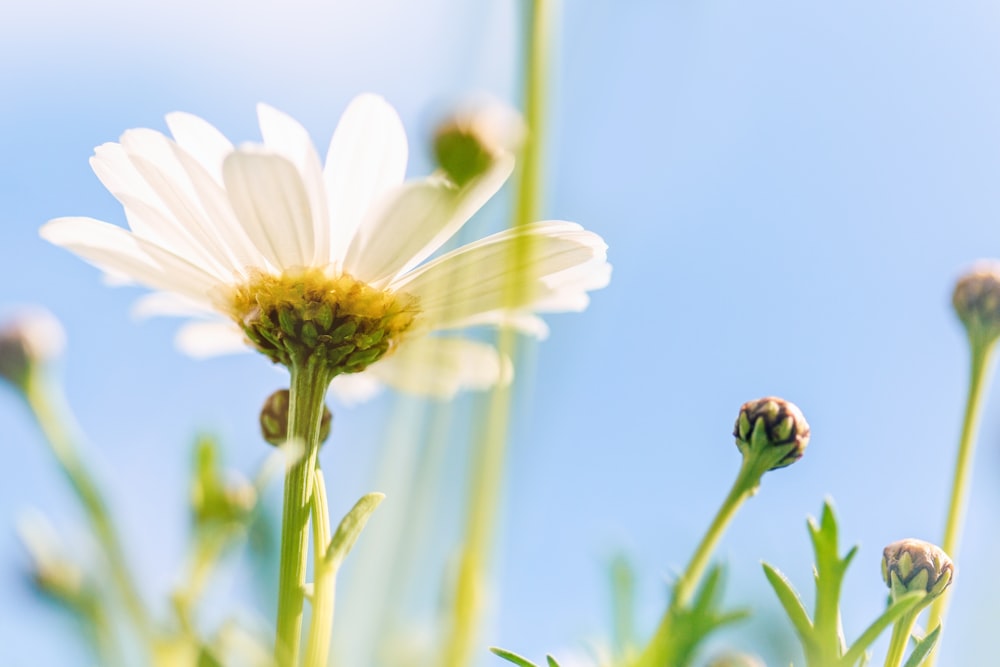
(309, 314)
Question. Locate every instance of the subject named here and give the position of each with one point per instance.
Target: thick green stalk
(981, 358)
(54, 417)
(305, 411)
(324, 580)
(488, 461)
(657, 652)
(901, 638)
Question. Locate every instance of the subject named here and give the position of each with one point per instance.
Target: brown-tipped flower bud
(468, 143)
(977, 301)
(31, 337)
(774, 429)
(736, 660)
(274, 419)
(914, 565)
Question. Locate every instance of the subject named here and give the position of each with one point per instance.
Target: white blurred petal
(367, 157)
(211, 339)
(354, 388)
(440, 367)
(168, 304)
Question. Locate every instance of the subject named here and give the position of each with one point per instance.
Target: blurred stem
(324, 580)
(658, 652)
(208, 548)
(981, 363)
(900, 638)
(49, 406)
(309, 380)
(488, 460)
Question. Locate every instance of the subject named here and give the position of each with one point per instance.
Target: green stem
(747, 480)
(488, 461)
(324, 580)
(901, 633)
(981, 358)
(56, 422)
(305, 411)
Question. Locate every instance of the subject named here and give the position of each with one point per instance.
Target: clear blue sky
(788, 191)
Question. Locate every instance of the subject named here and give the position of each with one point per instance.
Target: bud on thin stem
(469, 142)
(771, 430)
(31, 338)
(274, 419)
(977, 302)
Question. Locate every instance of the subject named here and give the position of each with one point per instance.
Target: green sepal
(923, 648)
(893, 612)
(350, 528)
(512, 657)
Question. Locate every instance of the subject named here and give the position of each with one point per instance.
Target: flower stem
(324, 580)
(488, 462)
(305, 411)
(658, 651)
(55, 419)
(981, 358)
(901, 633)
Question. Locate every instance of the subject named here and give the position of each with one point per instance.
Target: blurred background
(788, 190)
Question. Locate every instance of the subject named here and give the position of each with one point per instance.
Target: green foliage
(822, 636)
(923, 648)
(519, 661)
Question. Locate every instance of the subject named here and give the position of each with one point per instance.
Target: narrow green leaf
(552, 661)
(512, 657)
(894, 612)
(790, 601)
(923, 648)
(350, 528)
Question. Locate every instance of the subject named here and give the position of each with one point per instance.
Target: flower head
(31, 337)
(914, 565)
(976, 300)
(327, 263)
(772, 429)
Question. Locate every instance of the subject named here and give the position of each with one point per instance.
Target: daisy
(328, 264)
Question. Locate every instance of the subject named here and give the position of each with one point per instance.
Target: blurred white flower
(30, 336)
(294, 254)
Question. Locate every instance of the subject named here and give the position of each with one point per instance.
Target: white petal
(367, 156)
(440, 367)
(406, 230)
(211, 339)
(120, 252)
(269, 199)
(201, 140)
(285, 136)
(168, 304)
(354, 388)
(478, 278)
(525, 322)
(115, 170)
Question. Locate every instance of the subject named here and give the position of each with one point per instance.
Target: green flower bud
(31, 337)
(736, 660)
(274, 419)
(914, 565)
(771, 428)
(215, 499)
(977, 301)
(468, 143)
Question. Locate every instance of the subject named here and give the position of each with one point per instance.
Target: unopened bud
(736, 660)
(774, 429)
(468, 143)
(914, 565)
(977, 301)
(51, 570)
(31, 337)
(274, 419)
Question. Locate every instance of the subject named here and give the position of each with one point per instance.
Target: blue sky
(788, 191)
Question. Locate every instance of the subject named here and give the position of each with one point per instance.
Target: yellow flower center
(305, 312)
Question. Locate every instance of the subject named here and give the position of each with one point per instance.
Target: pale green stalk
(54, 417)
(900, 639)
(981, 363)
(324, 580)
(488, 460)
(658, 651)
(309, 380)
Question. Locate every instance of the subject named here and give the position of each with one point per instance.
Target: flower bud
(736, 660)
(774, 429)
(274, 419)
(914, 565)
(468, 143)
(31, 337)
(976, 300)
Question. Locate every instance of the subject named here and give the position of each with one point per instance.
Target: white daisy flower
(269, 248)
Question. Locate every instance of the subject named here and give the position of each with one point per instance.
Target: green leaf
(350, 528)
(923, 648)
(894, 612)
(791, 602)
(552, 661)
(512, 657)
(622, 576)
